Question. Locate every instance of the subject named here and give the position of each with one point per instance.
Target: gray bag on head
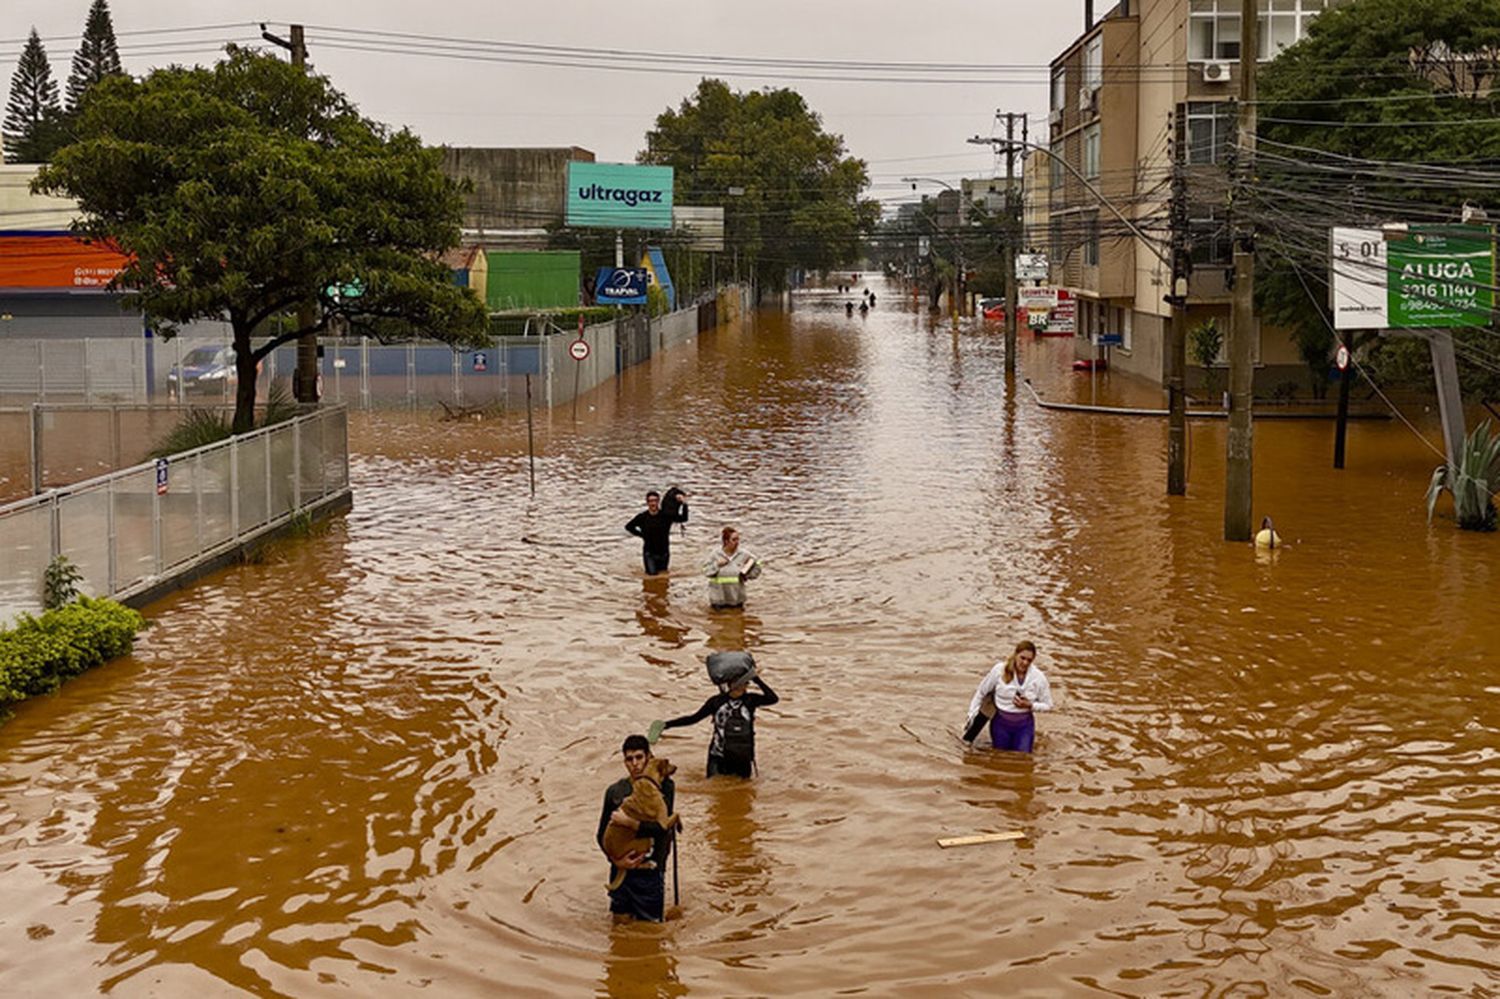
(728, 668)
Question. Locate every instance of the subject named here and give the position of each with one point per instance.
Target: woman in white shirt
(1011, 692)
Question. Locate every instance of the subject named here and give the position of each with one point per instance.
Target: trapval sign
(619, 196)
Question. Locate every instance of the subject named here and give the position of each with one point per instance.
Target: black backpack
(738, 735)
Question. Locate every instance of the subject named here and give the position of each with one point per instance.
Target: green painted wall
(532, 280)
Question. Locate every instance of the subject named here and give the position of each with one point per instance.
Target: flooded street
(372, 764)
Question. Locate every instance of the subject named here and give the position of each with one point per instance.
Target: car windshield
(204, 355)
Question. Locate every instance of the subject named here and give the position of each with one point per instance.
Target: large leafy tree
(246, 188)
(1376, 86)
(33, 114)
(797, 192)
(97, 57)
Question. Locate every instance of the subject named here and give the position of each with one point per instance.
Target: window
(1059, 247)
(1213, 30)
(1057, 177)
(1091, 242)
(1059, 89)
(1209, 239)
(1214, 27)
(1093, 63)
(1211, 128)
(1091, 152)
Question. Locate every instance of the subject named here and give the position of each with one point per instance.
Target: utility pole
(1239, 461)
(1177, 344)
(1012, 211)
(305, 378)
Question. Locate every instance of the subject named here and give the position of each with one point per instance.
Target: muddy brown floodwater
(372, 764)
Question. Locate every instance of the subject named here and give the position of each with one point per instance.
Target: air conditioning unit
(1088, 100)
(1216, 72)
(1055, 116)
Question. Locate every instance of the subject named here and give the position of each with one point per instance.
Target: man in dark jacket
(642, 895)
(654, 527)
(731, 748)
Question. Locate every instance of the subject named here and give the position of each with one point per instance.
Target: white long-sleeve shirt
(1034, 687)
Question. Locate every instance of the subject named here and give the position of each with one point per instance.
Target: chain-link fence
(135, 528)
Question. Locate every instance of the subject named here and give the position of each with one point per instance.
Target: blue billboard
(621, 286)
(619, 196)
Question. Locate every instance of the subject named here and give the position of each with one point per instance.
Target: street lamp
(958, 240)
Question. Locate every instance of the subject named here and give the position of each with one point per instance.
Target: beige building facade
(1150, 81)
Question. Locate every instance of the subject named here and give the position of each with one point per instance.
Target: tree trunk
(244, 393)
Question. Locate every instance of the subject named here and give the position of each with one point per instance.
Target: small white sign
(1342, 358)
(1032, 267)
(1358, 274)
(579, 350)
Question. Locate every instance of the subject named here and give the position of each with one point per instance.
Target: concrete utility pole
(1177, 344)
(1240, 447)
(1012, 236)
(305, 378)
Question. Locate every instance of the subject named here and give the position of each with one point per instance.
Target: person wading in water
(1007, 698)
(654, 527)
(727, 569)
(642, 895)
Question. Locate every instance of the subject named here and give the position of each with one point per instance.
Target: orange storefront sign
(57, 261)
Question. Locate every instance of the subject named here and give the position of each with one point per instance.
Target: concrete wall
(26, 212)
(513, 188)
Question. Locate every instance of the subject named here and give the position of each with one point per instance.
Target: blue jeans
(1013, 732)
(656, 562)
(642, 895)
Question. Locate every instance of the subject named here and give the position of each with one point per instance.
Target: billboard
(1049, 311)
(621, 286)
(57, 261)
(1413, 277)
(619, 196)
(700, 228)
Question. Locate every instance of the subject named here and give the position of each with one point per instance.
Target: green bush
(39, 653)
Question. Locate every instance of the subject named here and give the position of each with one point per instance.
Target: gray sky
(898, 128)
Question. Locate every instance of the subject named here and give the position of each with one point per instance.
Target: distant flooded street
(372, 763)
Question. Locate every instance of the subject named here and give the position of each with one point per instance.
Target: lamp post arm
(1099, 195)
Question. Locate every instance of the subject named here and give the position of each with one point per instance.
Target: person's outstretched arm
(697, 716)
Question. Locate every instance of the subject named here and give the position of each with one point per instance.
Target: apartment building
(1149, 80)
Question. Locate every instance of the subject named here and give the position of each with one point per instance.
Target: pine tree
(33, 104)
(97, 57)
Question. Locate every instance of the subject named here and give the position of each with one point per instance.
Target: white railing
(133, 529)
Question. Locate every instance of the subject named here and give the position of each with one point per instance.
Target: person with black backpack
(731, 750)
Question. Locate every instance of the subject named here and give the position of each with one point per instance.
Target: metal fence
(135, 528)
(359, 373)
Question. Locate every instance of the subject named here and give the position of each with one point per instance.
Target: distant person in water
(848, 308)
(864, 309)
(1008, 698)
(727, 570)
(654, 527)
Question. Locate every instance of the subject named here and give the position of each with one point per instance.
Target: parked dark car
(203, 371)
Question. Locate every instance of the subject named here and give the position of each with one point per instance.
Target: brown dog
(645, 804)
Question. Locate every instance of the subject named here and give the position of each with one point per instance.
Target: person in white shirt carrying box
(727, 569)
(1008, 698)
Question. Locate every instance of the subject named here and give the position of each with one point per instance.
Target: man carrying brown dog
(642, 895)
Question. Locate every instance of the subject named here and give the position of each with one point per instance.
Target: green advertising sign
(619, 196)
(1441, 276)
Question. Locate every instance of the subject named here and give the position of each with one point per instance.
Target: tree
(97, 57)
(243, 189)
(33, 114)
(1205, 342)
(800, 205)
(1336, 124)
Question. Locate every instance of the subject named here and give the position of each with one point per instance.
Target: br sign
(619, 196)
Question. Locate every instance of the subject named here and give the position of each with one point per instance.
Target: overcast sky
(898, 128)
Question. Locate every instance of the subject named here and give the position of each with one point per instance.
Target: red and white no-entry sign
(1342, 358)
(579, 350)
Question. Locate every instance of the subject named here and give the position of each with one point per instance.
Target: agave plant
(1472, 481)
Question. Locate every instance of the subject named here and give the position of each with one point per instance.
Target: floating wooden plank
(1000, 837)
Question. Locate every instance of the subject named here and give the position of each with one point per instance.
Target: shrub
(1205, 341)
(60, 583)
(1472, 481)
(39, 653)
(201, 427)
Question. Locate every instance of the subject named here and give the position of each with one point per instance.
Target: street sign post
(578, 350)
(1032, 267)
(161, 476)
(1341, 358)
